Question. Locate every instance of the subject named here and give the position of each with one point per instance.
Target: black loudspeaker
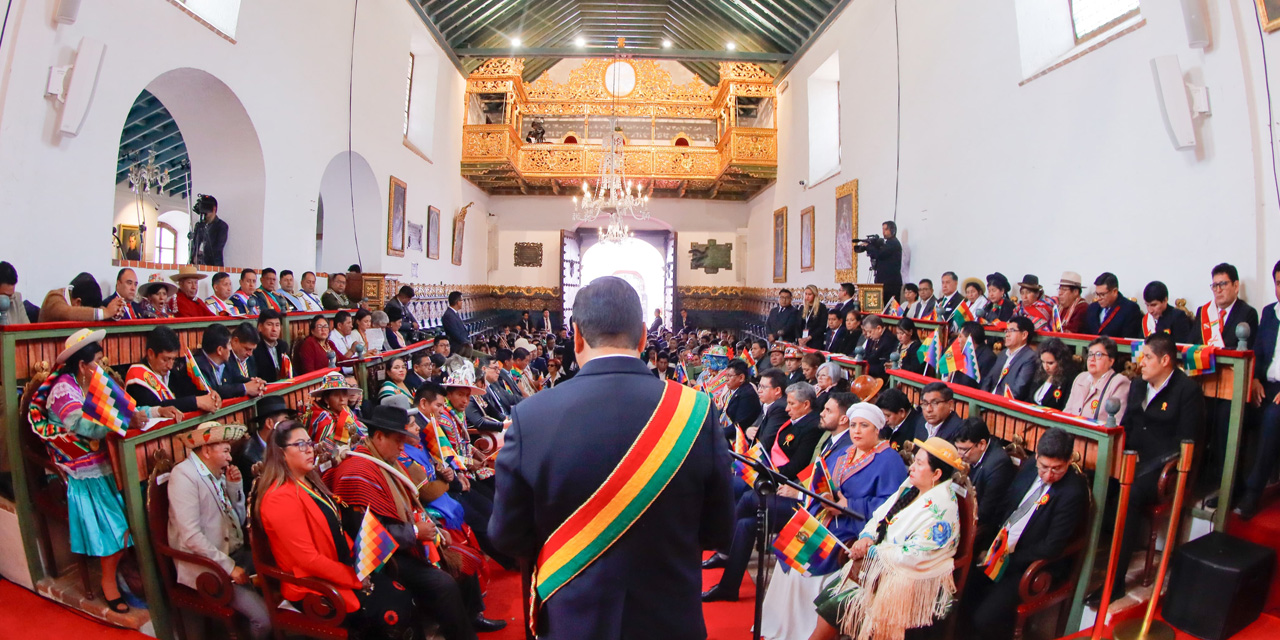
(1217, 585)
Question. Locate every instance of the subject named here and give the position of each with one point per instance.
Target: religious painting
(415, 238)
(846, 229)
(130, 242)
(396, 218)
(459, 224)
(780, 245)
(433, 233)
(1269, 11)
(806, 239)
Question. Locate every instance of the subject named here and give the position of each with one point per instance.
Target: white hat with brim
(460, 383)
(187, 271)
(213, 432)
(78, 341)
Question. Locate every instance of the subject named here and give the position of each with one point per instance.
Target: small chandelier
(616, 232)
(143, 176)
(614, 194)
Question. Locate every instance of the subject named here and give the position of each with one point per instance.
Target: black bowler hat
(998, 281)
(271, 406)
(388, 418)
(1030, 281)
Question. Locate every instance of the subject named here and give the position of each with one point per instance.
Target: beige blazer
(198, 525)
(1084, 391)
(56, 309)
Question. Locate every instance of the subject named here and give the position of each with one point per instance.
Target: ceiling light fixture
(580, 41)
(515, 42)
(730, 46)
(666, 44)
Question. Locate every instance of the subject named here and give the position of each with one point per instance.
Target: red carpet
(1265, 628)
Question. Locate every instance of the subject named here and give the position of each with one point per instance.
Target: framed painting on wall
(806, 239)
(780, 245)
(395, 218)
(459, 224)
(415, 238)
(130, 242)
(1269, 12)
(846, 229)
(433, 233)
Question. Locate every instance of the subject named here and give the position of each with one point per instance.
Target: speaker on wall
(67, 11)
(1196, 18)
(84, 77)
(1171, 90)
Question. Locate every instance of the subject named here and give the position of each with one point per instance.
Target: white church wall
(1073, 170)
(509, 275)
(290, 74)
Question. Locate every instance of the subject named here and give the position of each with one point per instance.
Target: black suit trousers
(439, 597)
(994, 608)
(745, 530)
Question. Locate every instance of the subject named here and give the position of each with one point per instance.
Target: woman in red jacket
(312, 354)
(302, 522)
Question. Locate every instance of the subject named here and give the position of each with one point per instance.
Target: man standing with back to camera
(616, 498)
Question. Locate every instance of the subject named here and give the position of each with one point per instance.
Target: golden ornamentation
(500, 67)
(586, 84)
(849, 188)
(743, 71)
(755, 146)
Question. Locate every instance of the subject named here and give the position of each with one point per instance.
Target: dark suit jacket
(656, 325)
(1053, 524)
(1059, 402)
(262, 362)
(1177, 324)
(1241, 312)
(834, 340)
(769, 422)
(482, 418)
(743, 408)
(784, 323)
(798, 440)
(948, 306)
(1126, 324)
(991, 478)
(1021, 371)
(817, 326)
(948, 429)
(911, 429)
(999, 312)
(1176, 413)
(910, 359)
(648, 584)
(231, 384)
(844, 308)
(184, 391)
(1264, 345)
(877, 352)
(246, 453)
(848, 343)
(455, 329)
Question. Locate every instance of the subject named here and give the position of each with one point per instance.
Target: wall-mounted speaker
(1197, 20)
(84, 77)
(1171, 91)
(67, 11)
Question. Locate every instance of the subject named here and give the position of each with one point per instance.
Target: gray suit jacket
(1021, 372)
(198, 525)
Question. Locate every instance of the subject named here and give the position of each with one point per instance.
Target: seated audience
(949, 299)
(879, 346)
(81, 301)
(372, 337)
(907, 551)
(303, 525)
(1219, 318)
(556, 373)
(999, 307)
(271, 357)
(831, 379)
(773, 409)
(397, 372)
(938, 406)
(911, 303)
(974, 331)
(1111, 314)
(392, 320)
(307, 295)
(975, 293)
(329, 419)
(127, 292)
(793, 365)
(663, 370)
(1041, 515)
(219, 358)
(483, 413)
(207, 518)
(244, 299)
(344, 336)
(853, 335)
(1265, 391)
(157, 302)
(268, 412)
(909, 346)
(743, 408)
(316, 351)
(189, 304)
(835, 332)
(1099, 382)
(903, 423)
(15, 311)
(1033, 305)
(422, 370)
(809, 363)
(1072, 307)
(1161, 317)
(220, 303)
(1055, 375)
(268, 296)
(154, 383)
(335, 297)
(1016, 366)
(991, 470)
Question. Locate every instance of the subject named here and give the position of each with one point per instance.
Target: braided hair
(909, 496)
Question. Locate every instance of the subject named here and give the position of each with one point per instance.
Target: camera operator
(886, 258)
(210, 235)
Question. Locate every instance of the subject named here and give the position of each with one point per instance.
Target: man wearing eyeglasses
(1112, 314)
(937, 405)
(1016, 367)
(991, 471)
(1218, 319)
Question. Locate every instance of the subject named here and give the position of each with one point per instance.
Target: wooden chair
(968, 504)
(1038, 589)
(323, 610)
(212, 597)
(1164, 501)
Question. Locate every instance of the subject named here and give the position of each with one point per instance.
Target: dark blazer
(135, 307)
(877, 352)
(769, 422)
(648, 584)
(1264, 345)
(795, 376)
(1053, 524)
(481, 417)
(848, 344)
(1178, 324)
(817, 327)
(508, 388)
(656, 325)
(1021, 371)
(743, 408)
(844, 308)
(1175, 414)
(784, 323)
(999, 312)
(1241, 312)
(910, 358)
(912, 428)
(798, 440)
(991, 478)
(231, 384)
(1055, 398)
(834, 340)
(246, 453)
(455, 329)
(947, 306)
(670, 375)
(949, 428)
(1127, 322)
(262, 362)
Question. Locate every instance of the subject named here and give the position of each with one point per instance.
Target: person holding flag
(329, 418)
(154, 382)
(855, 469)
(372, 478)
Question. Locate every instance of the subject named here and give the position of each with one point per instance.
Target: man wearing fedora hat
(1071, 305)
(189, 303)
(268, 412)
(1032, 304)
(81, 301)
(372, 479)
(207, 515)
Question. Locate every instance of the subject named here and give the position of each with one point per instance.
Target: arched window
(171, 237)
(166, 244)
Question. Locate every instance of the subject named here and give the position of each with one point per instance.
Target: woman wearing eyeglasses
(303, 525)
(1099, 382)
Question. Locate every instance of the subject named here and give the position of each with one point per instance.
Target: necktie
(1028, 504)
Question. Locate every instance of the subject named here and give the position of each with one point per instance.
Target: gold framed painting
(433, 233)
(806, 239)
(846, 231)
(1269, 12)
(459, 225)
(396, 218)
(130, 242)
(780, 245)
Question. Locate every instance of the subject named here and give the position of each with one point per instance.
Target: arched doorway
(635, 261)
(347, 211)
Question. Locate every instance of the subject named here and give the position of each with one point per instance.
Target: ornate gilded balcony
(688, 140)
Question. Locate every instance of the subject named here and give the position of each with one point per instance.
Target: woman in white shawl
(899, 577)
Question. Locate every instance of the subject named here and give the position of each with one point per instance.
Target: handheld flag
(193, 371)
(933, 315)
(373, 546)
(1136, 348)
(892, 308)
(1057, 318)
(1199, 360)
(682, 375)
(960, 357)
(286, 367)
(107, 404)
(816, 478)
(746, 471)
(740, 445)
(804, 541)
(963, 313)
(997, 556)
(929, 351)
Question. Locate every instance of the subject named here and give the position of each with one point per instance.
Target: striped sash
(640, 477)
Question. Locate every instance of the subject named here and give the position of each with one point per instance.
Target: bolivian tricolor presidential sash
(638, 480)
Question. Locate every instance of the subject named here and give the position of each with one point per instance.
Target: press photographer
(886, 258)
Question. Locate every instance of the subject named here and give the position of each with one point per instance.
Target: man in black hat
(372, 479)
(270, 411)
(1000, 306)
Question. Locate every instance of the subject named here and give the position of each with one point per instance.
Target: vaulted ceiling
(149, 128)
(772, 33)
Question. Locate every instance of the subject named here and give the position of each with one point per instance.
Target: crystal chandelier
(616, 232)
(143, 176)
(614, 194)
